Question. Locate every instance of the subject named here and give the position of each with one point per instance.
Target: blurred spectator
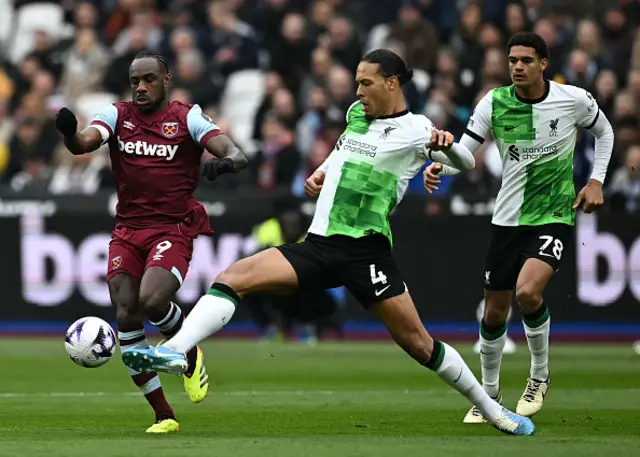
(181, 95)
(291, 51)
(626, 180)
(627, 134)
(181, 39)
(6, 122)
(30, 152)
(190, 74)
(49, 58)
(343, 42)
(141, 21)
(80, 174)
(588, 40)
(322, 12)
(606, 87)
(85, 66)
(312, 122)
(122, 18)
(117, 78)
(22, 77)
(86, 16)
(272, 82)
(633, 85)
(318, 75)
(496, 67)
(231, 42)
(617, 36)
(284, 107)
(341, 92)
(581, 71)
(516, 19)
(491, 37)
(419, 36)
(318, 153)
(277, 161)
(557, 52)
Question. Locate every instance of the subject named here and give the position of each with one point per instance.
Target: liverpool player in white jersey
(534, 123)
(349, 241)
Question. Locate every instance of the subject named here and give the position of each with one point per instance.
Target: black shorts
(510, 247)
(365, 266)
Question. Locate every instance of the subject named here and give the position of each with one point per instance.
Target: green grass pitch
(335, 399)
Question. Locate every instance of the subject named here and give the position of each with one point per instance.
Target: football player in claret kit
(535, 124)
(157, 150)
(349, 241)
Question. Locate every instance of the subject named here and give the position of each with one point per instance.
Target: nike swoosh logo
(508, 128)
(459, 376)
(380, 292)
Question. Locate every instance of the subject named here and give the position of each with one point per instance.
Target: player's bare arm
(76, 142)
(228, 158)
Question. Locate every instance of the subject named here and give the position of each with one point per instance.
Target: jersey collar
(547, 86)
(389, 116)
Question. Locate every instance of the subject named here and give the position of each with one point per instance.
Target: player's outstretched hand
(591, 196)
(215, 167)
(66, 122)
(441, 140)
(431, 176)
(313, 185)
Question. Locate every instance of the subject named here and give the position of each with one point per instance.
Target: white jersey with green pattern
(536, 140)
(368, 172)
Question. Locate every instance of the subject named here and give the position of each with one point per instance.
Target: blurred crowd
(278, 77)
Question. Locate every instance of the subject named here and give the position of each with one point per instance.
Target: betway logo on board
(142, 148)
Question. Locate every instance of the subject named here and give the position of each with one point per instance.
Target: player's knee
(232, 277)
(528, 296)
(152, 302)
(127, 314)
(125, 302)
(495, 315)
(496, 309)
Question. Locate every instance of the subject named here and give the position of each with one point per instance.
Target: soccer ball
(90, 342)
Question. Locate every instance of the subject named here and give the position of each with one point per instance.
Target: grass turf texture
(334, 399)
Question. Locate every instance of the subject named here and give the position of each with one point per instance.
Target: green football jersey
(536, 140)
(367, 174)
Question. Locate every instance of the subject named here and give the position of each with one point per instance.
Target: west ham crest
(169, 129)
(116, 262)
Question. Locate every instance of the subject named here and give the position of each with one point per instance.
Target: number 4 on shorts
(378, 277)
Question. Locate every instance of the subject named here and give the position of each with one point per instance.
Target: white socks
(537, 331)
(491, 347)
(211, 313)
(455, 372)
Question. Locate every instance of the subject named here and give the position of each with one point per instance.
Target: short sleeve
(105, 121)
(479, 124)
(201, 127)
(587, 110)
